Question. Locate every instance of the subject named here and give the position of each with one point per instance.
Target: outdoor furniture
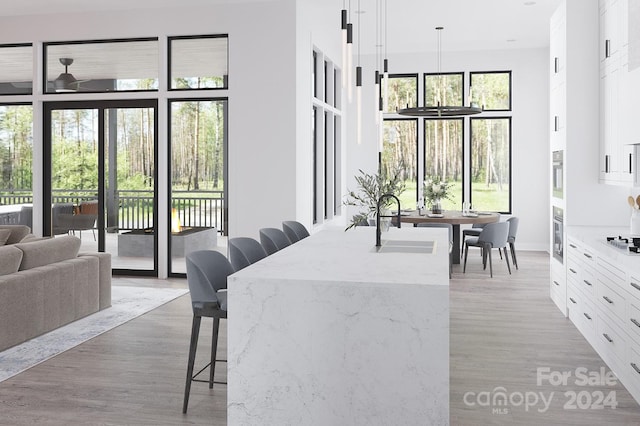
(207, 272)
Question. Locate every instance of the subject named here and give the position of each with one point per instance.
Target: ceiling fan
(66, 82)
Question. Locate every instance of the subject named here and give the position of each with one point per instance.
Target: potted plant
(434, 190)
(370, 188)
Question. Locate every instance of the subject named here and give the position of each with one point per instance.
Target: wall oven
(558, 233)
(557, 174)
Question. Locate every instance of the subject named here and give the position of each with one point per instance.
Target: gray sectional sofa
(46, 283)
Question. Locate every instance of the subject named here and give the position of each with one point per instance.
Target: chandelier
(439, 110)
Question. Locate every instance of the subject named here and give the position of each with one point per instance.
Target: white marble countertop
(596, 237)
(334, 254)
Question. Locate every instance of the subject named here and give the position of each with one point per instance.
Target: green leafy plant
(370, 188)
(436, 188)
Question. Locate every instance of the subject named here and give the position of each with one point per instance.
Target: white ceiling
(469, 24)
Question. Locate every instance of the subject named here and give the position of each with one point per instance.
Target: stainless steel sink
(401, 246)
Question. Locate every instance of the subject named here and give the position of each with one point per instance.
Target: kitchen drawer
(575, 304)
(634, 287)
(611, 300)
(558, 293)
(607, 268)
(633, 320)
(634, 365)
(611, 341)
(588, 257)
(588, 281)
(573, 268)
(585, 319)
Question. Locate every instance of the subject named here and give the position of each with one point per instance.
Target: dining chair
(273, 239)
(493, 235)
(450, 228)
(294, 230)
(511, 239)
(243, 251)
(207, 272)
(474, 231)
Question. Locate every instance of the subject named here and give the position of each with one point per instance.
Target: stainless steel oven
(557, 174)
(558, 233)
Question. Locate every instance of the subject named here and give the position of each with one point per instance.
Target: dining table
(453, 217)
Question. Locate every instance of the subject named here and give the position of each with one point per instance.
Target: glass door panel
(103, 180)
(198, 145)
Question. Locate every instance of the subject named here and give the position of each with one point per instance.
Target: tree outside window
(491, 164)
(402, 92)
(443, 89)
(400, 147)
(492, 90)
(443, 156)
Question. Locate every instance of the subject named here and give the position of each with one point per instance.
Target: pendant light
(359, 86)
(385, 67)
(343, 28)
(441, 110)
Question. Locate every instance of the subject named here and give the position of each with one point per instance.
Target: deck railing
(133, 209)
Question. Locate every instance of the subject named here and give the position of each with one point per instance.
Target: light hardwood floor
(502, 330)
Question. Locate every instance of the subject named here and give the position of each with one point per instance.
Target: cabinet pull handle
(587, 283)
(574, 302)
(588, 256)
(556, 65)
(635, 322)
(556, 123)
(587, 315)
(573, 271)
(635, 367)
(606, 163)
(636, 286)
(607, 48)
(607, 299)
(556, 283)
(572, 246)
(630, 162)
(606, 336)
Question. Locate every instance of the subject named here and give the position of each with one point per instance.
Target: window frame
(436, 74)
(510, 159)
(509, 73)
(191, 37)
(11, 45)
(403, 75)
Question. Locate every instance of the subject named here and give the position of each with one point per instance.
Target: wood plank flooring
(502, 330)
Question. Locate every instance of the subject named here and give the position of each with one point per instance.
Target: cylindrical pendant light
(343, 26)
(359, 104)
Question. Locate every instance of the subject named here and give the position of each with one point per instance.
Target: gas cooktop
(630, 244)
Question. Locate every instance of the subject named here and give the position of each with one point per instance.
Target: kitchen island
(332, 331)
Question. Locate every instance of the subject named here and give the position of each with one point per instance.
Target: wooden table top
(450, 216)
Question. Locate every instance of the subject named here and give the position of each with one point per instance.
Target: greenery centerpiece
(370, 188)
(435, 189)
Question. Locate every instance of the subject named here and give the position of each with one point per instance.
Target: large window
(491, 164)
(443, 89)
(16, 70)
(400, 151)
(443, 155)
(326, 143)
(492, 90)
(402, 92)
(471, 153)
(101, 66)
(16, 163)
(199, 62)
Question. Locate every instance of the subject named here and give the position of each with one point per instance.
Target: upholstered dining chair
(450, 228)
(493, 235)
(273, 239)
(474, 231)
(243, 251)
(207, 272)
(511, 239)
(294, 230)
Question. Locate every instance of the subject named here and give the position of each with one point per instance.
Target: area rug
(127, 304)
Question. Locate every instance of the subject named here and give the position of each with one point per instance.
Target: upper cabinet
(619, 81)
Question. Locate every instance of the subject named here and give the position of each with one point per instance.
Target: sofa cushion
(4, 236)
(10, 258)
(44, 252)
(18, 232)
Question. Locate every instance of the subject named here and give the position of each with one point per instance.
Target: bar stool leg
(214, 350)
(195, 331)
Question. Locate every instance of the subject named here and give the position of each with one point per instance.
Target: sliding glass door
(101, 182)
